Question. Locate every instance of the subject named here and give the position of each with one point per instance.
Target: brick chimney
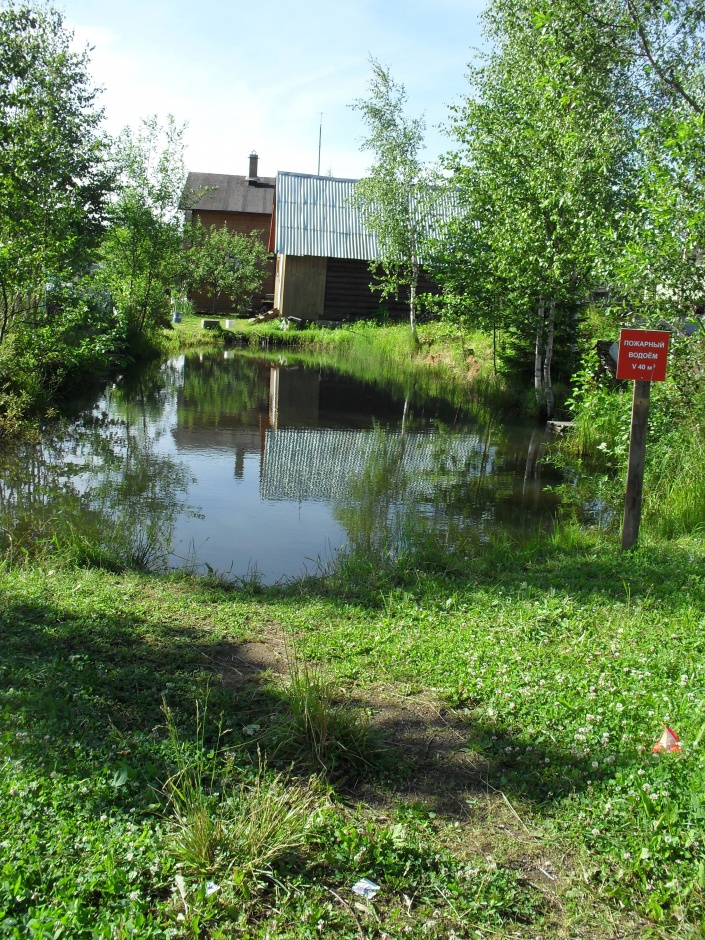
(252, 175)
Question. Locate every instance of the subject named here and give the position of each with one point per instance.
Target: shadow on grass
(83, 695)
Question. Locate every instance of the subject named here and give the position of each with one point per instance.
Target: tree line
(578, 169)
(93, 246)
(576, 174)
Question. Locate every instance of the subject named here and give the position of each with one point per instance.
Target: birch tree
(398, 196)
(542, 166)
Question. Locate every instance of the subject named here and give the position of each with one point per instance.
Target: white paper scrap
(365, 888)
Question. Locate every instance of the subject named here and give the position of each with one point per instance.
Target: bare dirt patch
(238, 663)
(427, 741)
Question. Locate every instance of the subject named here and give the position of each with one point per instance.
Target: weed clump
(236, 831)
(320, 732)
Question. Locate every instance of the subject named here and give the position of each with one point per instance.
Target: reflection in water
(96, 485)
(410, 485)
(240, 463)
(328, 463)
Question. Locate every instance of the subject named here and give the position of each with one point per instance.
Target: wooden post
(635, 472)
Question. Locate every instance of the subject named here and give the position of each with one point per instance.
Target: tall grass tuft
(239, 831)
(330, 738)
(265, 821)
(197, 833)
(675, 492)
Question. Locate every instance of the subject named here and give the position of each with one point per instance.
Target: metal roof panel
(315, 216)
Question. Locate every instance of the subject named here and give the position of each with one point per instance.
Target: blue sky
(254, 75)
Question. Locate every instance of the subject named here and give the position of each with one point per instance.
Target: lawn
(185, 759)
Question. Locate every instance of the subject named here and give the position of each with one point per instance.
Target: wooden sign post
(643, 356)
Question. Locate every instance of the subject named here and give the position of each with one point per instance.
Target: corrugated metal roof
(226, 193)
(321, 463)
(315, 216)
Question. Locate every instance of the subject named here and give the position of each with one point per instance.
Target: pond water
(267, 467)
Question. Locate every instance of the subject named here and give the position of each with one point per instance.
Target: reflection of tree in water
(143, 394)
(93, 486)
(372, 510)
(236, 391)
(457, 488)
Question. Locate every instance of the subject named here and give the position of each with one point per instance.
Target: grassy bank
(457, 349)
(183, 759)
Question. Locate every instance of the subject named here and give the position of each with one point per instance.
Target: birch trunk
(412, 299)
(547, 359)
(538, 389)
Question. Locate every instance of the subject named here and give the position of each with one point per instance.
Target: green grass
(189, 334)
(551, 668)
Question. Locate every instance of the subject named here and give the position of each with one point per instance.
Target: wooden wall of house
(244, 223)
(301, 286)
(348, 295)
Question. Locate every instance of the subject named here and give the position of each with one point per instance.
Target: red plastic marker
(669, 741)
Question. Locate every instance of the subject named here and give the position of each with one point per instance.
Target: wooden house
(324, 252)
(242, 203)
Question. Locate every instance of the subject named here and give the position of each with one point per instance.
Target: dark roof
(225, 193)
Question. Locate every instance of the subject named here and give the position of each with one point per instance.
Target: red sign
(643, 355)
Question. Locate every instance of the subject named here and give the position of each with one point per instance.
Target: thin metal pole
(320, 133)
(635, 472)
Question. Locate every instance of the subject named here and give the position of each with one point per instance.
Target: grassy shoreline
(466, 354)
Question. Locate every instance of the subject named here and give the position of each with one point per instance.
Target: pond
(265, 468)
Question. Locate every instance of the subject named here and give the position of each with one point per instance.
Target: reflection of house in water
(289, 397)
(293, 397)
(221, 440)
(301, 428)
(320, 463)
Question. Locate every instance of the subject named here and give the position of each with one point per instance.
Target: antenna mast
(320, 132)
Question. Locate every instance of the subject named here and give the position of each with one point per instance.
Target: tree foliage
(398, 195)
(142, 250)
(579, 163)
(222, 263)
(53, 177)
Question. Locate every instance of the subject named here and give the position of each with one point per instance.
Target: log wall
(348, 294)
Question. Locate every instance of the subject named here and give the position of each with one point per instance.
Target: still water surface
(244, 466)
